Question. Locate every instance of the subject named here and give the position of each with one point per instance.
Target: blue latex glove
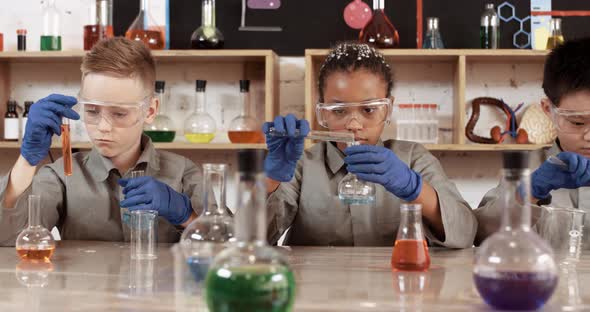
(380, 165)
(551, 177)
(147, 193)
(284, 151)
(43, 122)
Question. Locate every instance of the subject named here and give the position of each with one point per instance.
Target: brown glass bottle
(379, 31)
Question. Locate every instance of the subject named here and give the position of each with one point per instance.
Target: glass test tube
(345, 137)
(66, 147)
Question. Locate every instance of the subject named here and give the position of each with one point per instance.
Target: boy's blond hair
(123, 58)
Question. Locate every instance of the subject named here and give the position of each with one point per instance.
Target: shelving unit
(455, 78)
(181, 66)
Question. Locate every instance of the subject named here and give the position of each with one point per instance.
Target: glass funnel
(250, 275)
(514, 268)
(207, 36)
(410, 252)
(162, 129)
(245, 128)
(35, 242)
(379, 31)
(145, 29)
(208, 234)
(200, 127)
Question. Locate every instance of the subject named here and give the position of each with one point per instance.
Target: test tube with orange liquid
(66, 146)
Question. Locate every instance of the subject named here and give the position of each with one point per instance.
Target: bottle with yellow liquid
(556, 37)
(199, 127)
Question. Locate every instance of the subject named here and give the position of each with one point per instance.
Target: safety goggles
(570, 121)
(118, 115)
(370, 113)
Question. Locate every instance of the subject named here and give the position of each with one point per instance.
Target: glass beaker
(125, 216)
(563, 229)
(162, 129)
(514, 268)
(35, 242)
(250, 275)
(145, 29)
(353, 191)
(144, 234)
(489, 31)
(51, 36)
(379, 31)
(100, 22)
(433, 38)
(410, 252)
(245, 128)
(208, 234)
(200, 127)
(556, 37)
(207, 36)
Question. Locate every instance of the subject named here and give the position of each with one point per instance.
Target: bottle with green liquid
(162, 128)
(51, 36)
(200, 127)
(250, 275)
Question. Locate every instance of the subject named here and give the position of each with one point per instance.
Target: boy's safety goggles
(370, 113)
(570, 121)
(119, 115)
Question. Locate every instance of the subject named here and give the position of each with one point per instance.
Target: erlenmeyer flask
(410, 252)
(200, 127)
(145, 29)
(379, 31)
(35, 242)
(162, 129)
(353, 191)
(514, 268)
(250, 275)
(208, 234)
(245, 128)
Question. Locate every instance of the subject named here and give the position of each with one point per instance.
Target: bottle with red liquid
(410, 252)
(145, 29)
(514, 268)
(100, 22)
(379, 31)
(35, 242)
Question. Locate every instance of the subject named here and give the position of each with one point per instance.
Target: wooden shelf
(450, 54)
(223, 56)
(164, 146)
(484, 147)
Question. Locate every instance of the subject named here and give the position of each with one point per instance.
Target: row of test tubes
(417, 123)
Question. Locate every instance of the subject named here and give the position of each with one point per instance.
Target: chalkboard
(311, 24)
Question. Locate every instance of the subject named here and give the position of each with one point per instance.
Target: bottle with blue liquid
(210, 233)
(514, 268)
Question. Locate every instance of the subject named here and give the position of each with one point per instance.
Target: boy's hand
(380, 165)
(551, 177)
(43, 122)
(147, 193)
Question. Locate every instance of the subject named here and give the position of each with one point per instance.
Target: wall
(465, 169)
